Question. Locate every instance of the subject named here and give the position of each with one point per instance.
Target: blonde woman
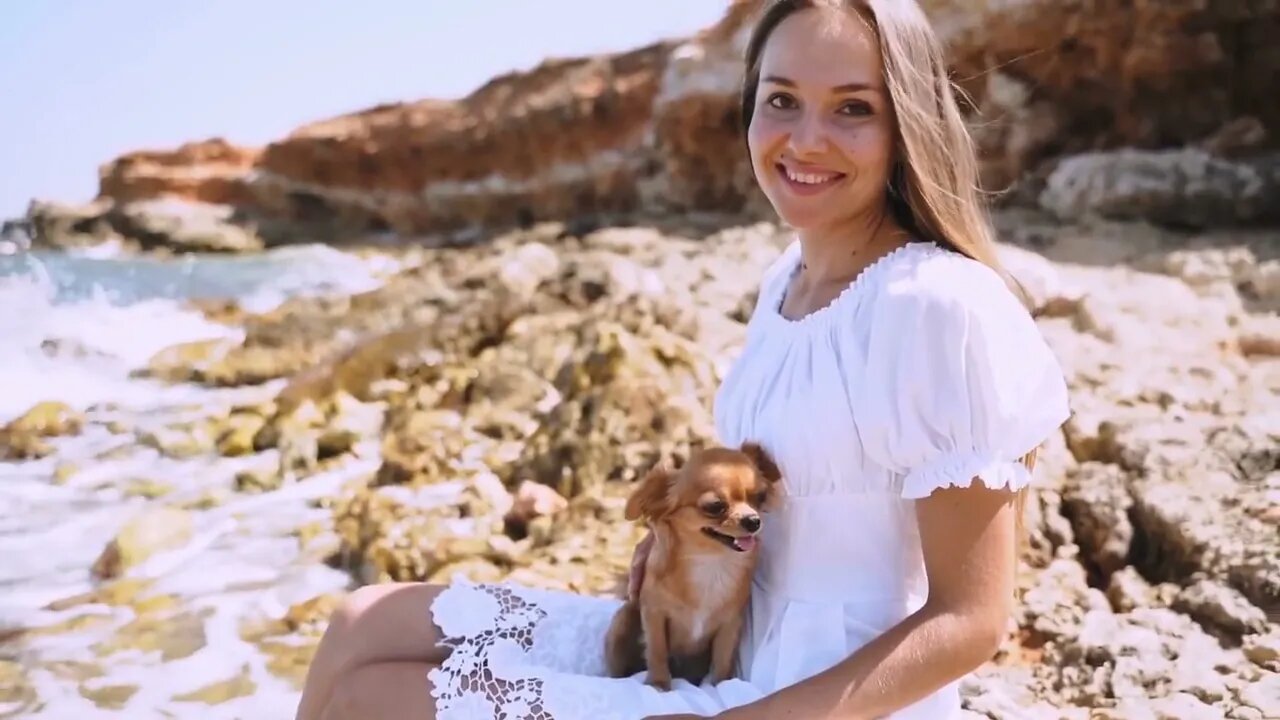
(889, 370)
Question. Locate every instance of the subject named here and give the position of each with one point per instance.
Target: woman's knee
(362, 605)
(387, 621)
(356, 606)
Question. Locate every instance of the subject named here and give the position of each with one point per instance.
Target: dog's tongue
(745, 543)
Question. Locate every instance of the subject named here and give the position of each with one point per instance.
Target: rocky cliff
(209, 171)
(655, 129)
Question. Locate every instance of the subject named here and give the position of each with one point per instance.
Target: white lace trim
(477, 626)
(519, 653)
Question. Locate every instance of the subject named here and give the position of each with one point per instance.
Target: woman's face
(822, 135)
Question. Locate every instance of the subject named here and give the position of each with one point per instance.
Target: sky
(83, 81)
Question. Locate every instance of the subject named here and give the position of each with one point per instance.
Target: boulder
(149, 532)
(1186, 188)
(162, 224)
(24, 438)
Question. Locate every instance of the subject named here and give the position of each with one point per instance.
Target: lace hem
(466, 686)
(520, 653)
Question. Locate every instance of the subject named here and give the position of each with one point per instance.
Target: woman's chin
(804, 219)
(815, 215)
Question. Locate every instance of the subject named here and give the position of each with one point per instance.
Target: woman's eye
(855, 108)
(781, 101)
(715, 507)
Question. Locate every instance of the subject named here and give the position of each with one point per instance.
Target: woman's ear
(650, 499)
(762, 461)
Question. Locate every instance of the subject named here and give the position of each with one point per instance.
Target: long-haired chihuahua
(688, 615)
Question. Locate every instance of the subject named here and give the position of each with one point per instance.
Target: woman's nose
(807, 136)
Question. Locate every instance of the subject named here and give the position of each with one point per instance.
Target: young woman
(890, 371)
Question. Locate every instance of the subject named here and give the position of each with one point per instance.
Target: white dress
(925, 372)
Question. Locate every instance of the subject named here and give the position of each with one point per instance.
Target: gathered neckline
(846, 295)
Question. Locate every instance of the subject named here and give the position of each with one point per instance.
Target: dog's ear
(651, 498)
(763, 462)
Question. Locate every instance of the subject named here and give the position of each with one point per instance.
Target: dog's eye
(715, 507)
(760, 498)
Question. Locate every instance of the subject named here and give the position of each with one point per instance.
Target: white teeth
(809, 178)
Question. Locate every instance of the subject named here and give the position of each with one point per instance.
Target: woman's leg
(386, 623)
(383, 691)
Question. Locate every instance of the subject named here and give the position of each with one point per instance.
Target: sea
(73, 328)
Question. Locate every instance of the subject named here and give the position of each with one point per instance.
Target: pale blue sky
(82, 81)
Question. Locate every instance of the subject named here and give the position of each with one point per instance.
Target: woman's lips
(809, 182)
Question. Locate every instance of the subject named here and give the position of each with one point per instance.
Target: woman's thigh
(389, 622)
(385, 691)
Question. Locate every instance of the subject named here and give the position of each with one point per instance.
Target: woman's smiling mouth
(808, 182)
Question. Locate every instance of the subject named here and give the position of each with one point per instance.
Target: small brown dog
(688, 615)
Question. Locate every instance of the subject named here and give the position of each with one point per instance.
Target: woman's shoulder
(963, 375)
(938, 284)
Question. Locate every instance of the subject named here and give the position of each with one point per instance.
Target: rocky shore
(483, 413)
(569, 303)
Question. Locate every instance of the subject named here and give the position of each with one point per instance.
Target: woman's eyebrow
(847, 87)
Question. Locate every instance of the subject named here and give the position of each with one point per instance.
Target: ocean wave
(76, 324)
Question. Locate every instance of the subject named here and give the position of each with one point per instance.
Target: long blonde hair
(934, 191)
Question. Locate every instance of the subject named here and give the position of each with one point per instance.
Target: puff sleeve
(962, 383)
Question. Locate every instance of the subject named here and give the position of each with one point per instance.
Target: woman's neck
(835, 254)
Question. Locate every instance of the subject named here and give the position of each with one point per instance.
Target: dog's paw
(662, 682)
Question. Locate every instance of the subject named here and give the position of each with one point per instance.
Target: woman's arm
(969, 538)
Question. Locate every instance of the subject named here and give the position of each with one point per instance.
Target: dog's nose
(750, 523)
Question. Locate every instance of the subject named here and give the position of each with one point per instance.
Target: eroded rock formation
(655, 129)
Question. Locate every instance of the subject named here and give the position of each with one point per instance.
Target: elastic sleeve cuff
(959, 470)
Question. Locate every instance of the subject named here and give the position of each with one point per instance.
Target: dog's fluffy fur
(688, 616)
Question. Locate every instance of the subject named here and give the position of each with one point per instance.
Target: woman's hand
(636, 576)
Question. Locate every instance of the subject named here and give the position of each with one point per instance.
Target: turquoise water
(126, 280)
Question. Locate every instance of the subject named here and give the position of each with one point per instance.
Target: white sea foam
(72, 329)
